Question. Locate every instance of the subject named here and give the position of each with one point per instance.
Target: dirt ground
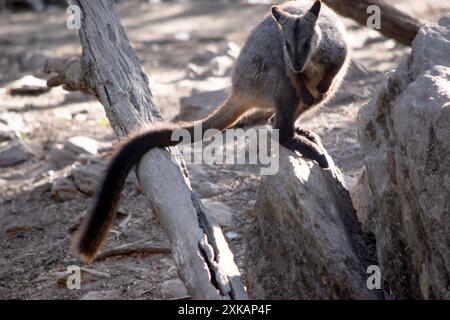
(35, 226)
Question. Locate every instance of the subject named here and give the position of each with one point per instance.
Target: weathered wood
(110, 70)
(128, 251)
(395, 24)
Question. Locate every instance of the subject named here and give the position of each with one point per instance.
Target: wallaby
(292, 61)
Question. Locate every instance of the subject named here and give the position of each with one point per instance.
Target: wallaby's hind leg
(284, 121)
(308, 149)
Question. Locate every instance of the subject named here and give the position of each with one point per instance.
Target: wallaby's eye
(306, 46)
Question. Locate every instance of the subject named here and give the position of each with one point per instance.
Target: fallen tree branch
(110, 70)
(395, 24)
(132, 250)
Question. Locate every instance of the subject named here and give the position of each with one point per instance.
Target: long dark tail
(94, 228)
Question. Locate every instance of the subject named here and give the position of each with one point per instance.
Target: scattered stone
(182, 36)
(80, 144)
(232, 50)
(213, 62)
(64, 189)
(221, 66)
(206, 55)
(12, 126)
(28, 85)
(173, 288)
(203, 57)
(12, 153)
(6, 134)
(60, 155)
(39, 188)
(87, 177)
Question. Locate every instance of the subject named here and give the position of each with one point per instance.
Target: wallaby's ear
(313, 12)
(279, 15)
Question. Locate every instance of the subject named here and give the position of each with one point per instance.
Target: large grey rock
(404, 191)
(306, 242)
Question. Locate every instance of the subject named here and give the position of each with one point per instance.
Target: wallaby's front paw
(308, 149)
(307, 98)
(322, 88)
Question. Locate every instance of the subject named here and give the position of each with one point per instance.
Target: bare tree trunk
(110, 70)
(395, 24)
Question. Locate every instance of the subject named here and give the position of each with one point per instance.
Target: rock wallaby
(293, 61)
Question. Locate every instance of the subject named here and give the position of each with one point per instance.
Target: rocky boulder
(404, 190)
(306, 242)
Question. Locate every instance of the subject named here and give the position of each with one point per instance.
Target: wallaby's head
(301, 36)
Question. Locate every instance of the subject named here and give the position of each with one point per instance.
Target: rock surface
(404, 191)
(306, 242)
(12, 153)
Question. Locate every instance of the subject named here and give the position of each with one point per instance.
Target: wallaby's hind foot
(307, 148)
(311, 136)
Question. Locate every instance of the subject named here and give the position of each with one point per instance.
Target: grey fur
(293, 61)
(261, 71)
